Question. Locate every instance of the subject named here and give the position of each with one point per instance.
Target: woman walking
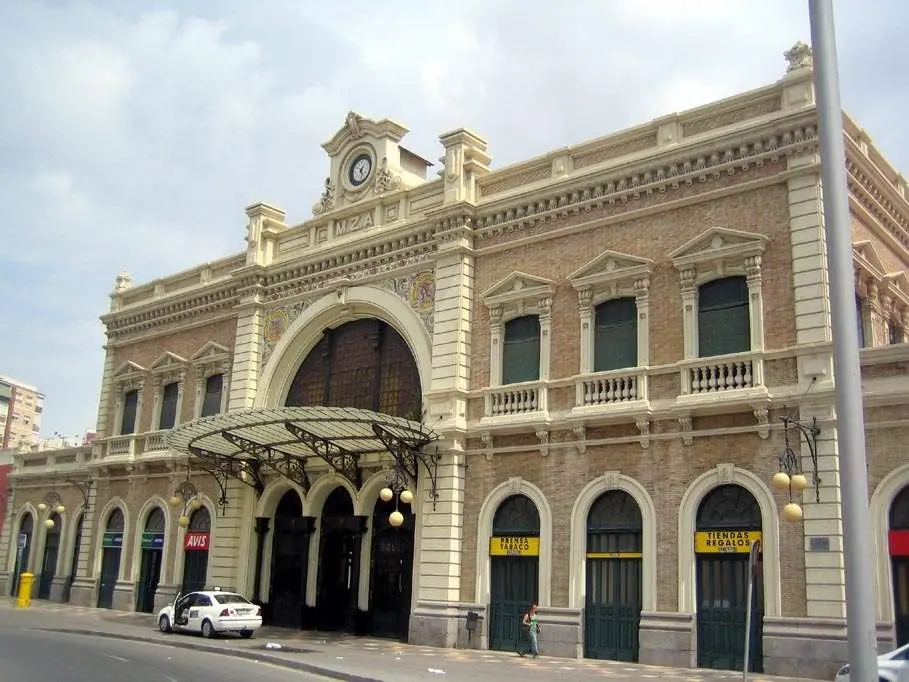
(531, 630)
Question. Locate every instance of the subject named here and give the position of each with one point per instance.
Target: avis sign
(196, 542)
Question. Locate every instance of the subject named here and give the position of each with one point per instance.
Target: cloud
(132, 135)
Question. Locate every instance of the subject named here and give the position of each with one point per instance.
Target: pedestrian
(531, 630)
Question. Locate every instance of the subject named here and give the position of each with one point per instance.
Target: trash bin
(26, 580)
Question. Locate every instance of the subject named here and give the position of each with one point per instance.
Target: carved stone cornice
(882, 201)
(687, 166)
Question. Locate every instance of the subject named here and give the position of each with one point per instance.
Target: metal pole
(857, 548)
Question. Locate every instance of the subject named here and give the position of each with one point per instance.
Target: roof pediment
(718, 243)
(865, 250)
(357, 126)
(610, 266)
(167, 361)
(209, 351)
(129, 368)
(898, 281)
(517, 286)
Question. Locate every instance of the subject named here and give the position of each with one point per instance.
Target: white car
(211, 613)
(891, 667)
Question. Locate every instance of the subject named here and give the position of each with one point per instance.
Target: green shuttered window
(521, 350)
(724, 325)
(615, 335)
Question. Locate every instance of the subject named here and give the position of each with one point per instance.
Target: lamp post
(187, 495)
(857, 544)
(397, 489)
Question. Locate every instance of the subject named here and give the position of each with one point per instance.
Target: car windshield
(230, 599)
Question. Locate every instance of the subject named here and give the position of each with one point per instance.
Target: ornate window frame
(129, 376)
(609, 276)
(516, 295)
(167, 369)
(885, 296)
(715, 253)
(211, 359)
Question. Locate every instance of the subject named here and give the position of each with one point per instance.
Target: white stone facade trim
(166, 550)
(688, 510)
(16, 525)
(715, 253)
(342, 306)
(68, 539)
(488, 511)
(577, 570)
(881, 500)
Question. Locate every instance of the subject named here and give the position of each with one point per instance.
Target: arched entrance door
(23, 551)
(74, 559)
(196, 543)
(339, 564)
(49, 562)
(391, 571)
(728, 521)
(289, 562)
(614, 585)
(899, 561)
(150, 561)
(112, 547)
(514, 555)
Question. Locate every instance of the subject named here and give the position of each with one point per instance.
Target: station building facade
(614, 343)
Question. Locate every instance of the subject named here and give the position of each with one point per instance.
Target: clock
(360, 169)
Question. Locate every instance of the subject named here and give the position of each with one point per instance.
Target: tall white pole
(858, 552)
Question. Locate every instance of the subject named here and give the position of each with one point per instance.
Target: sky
(132, 135)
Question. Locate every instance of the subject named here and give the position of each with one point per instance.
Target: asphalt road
(34, 656)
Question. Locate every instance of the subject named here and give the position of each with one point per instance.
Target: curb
(236, 653)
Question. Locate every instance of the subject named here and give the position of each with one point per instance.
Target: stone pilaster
(104, 427)
(7, 542)
(230, 546)
(84, 589)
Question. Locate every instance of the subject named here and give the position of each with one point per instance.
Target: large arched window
(364, 364)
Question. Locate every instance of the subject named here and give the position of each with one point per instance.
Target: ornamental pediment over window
(518, 287)
(864, 250)
(168, 363)
(130, 374)
(611, 270)
(210, 351)
(719, 244)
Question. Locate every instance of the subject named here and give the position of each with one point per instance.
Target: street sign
(23, 540)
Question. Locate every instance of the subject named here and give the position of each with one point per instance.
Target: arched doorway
(898, 542)
(364, 364)
(23, 550)
(152, 547)
(111, 549)
(289, 562)
(391, 571)
(196, 543)
(49, 562)
(612, 613)
(728, 521)
(339, 564)
(514, 554)
(74, 559)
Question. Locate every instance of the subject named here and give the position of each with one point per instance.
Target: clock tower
(367, 161)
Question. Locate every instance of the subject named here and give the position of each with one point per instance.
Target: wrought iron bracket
(83, 489)
(222, 468)
(52, 500)
(408, 455)
(185, 491)
(790, 462)
(289, 466)
(339, 459)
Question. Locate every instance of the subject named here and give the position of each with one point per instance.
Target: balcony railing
(722, 375)
(516, 399)
(134, 445)
(617, 387)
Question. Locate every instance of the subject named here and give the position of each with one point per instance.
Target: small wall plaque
(819, 544)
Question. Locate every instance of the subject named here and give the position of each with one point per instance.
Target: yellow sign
(725, 541)
(514, 546)
(614, 555)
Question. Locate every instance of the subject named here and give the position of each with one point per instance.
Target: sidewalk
(353, 659)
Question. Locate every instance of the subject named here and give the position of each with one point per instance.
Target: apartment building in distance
(21, 411)
(586, 371)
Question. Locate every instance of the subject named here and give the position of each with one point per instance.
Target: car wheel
(207, 630)
(164, 624)
(246, 634)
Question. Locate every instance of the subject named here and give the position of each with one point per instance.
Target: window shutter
(615, 335)
(521, 350)
(211, 403)
(130, 404)
(724, 323)
(860, 320)
(169, 406)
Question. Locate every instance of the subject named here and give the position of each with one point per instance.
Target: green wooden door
(722, 583)
(514, 588)
(514, 569)
(612, 612)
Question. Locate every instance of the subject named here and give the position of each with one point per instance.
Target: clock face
(360, 169)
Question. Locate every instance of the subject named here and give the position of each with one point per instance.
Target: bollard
(26, 580)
